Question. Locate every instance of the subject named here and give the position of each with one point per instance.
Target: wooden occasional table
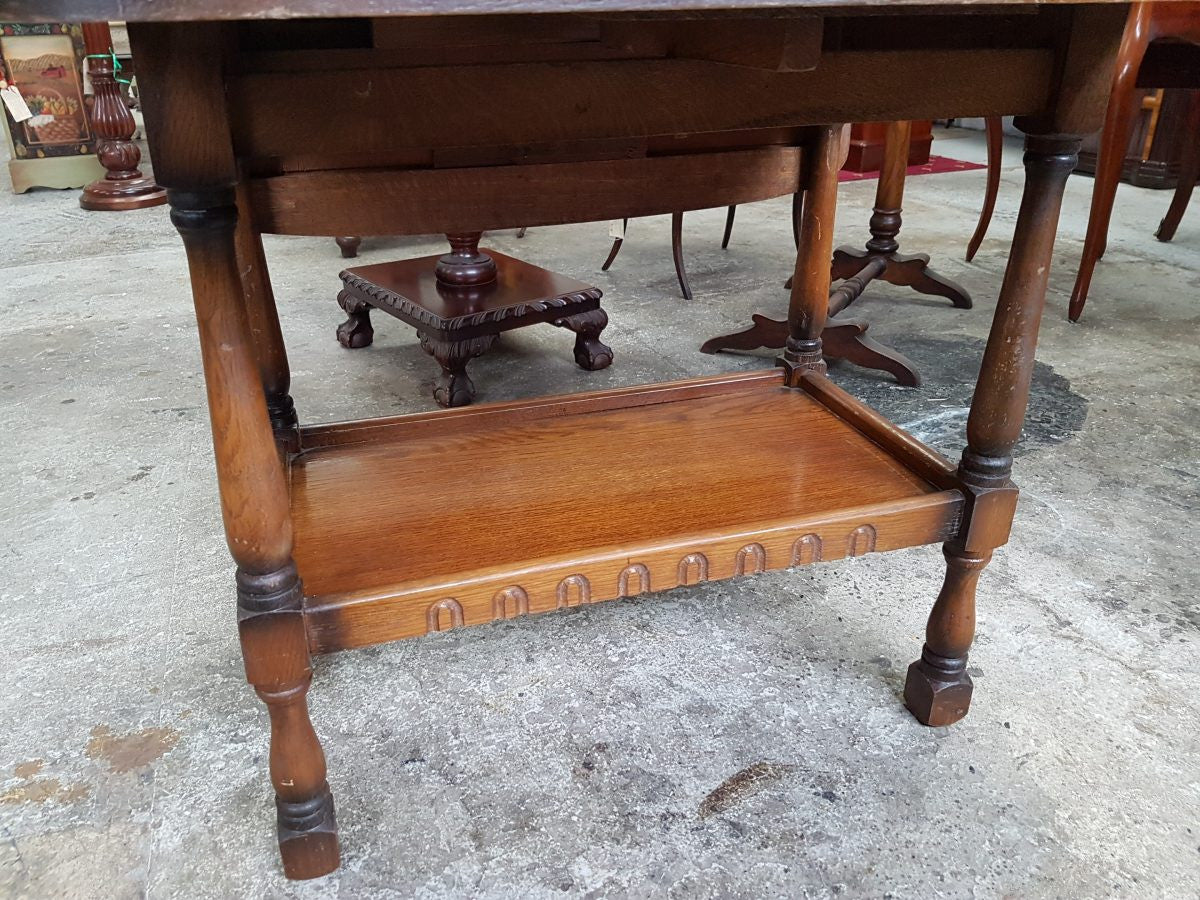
(856, 269)
(541, 119)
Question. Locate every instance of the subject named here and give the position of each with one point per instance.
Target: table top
(198, 10)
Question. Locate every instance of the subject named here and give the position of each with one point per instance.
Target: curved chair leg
(1189, 173)
(677, 253)
(616, 247)
(728, 227)
(995, 150)
(1113, 140)
(521, 232)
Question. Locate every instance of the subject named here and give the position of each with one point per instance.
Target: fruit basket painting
(45, 63)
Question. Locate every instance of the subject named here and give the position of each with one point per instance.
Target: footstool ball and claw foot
(356, 331)
(455, 387)
(590, 354)
(461, 301)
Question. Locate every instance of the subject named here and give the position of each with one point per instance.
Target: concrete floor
(578, 754)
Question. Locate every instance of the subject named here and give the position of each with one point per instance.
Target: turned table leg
(241, 368)
(809, 302)
(258, 527)
(903, 270)
(263, 317)
(938, 688)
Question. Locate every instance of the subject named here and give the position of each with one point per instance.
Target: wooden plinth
(457, 323)
(598, 496)
(522, 294)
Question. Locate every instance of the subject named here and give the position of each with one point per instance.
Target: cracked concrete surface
(739, 739)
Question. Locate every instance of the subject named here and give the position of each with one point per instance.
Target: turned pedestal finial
(124, 186)
(465, 264)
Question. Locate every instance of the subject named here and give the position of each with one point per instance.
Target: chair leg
(1113, 140)
(616, 247)
(1189, 172)
(797, 215)
(677, 253)
(995, 150)
(728, 227)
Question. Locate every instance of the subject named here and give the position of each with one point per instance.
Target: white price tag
(17, 107)
(616, 229)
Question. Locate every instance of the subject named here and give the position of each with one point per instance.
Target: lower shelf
(422, 523)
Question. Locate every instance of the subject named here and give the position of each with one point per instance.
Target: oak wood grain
(390, 201)
(589, 493)
(486, 594)
(336, 434)
(274, 115)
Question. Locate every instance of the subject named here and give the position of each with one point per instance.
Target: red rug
(935, 165)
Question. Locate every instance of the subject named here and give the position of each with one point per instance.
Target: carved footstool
(459, 303)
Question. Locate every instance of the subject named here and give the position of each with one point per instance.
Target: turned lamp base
(124, 187)
(134, 193)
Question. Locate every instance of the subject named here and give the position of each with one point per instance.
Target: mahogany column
(124, 186)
